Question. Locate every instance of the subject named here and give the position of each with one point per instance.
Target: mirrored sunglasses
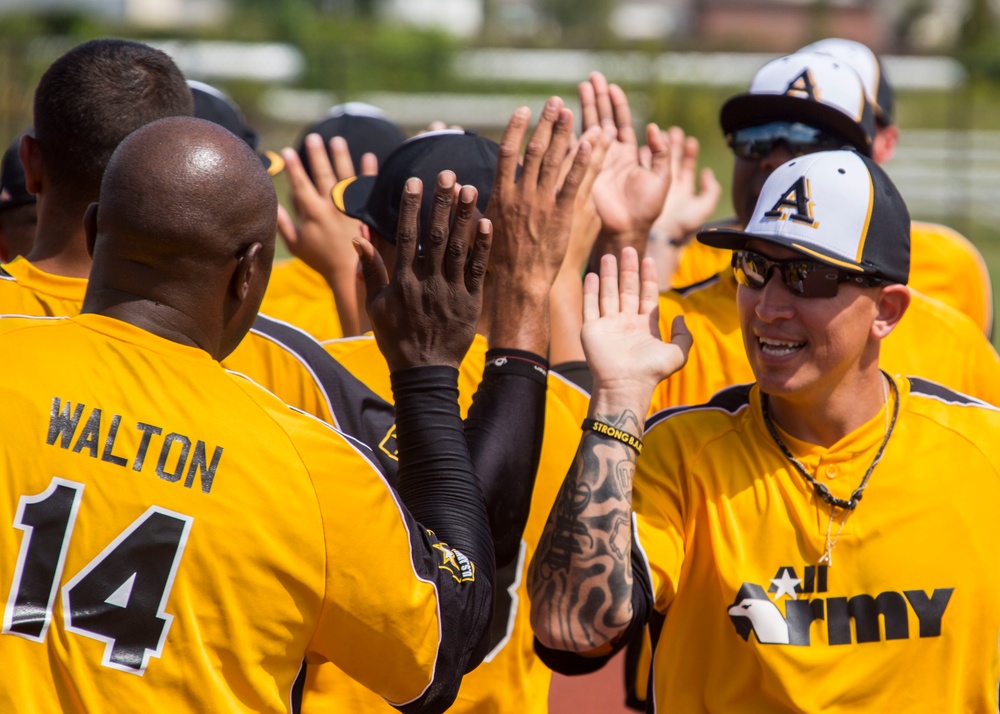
(805, 278)
(757, 142)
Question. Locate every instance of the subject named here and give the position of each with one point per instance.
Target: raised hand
(628, 195)
(620, 336)
(687, 206)
(427, 313)
(532, 215)
(323, 236)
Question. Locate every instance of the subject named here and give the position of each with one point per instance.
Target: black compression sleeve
(436, 480)
(504, 428)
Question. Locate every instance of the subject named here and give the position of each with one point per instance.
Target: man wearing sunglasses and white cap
(770, 123)
(796, 544)
(827, 100)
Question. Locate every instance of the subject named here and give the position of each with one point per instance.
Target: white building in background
(145, 13)
(463, 18)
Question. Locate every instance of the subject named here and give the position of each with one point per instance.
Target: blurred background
(471, 62)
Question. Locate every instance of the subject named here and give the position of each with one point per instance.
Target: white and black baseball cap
(868, 66)
(838, 207)
(809, 87)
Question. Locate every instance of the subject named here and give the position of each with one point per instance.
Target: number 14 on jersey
(119, 597)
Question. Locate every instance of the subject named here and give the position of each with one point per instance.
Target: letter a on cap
(797, 198)
(803, 86)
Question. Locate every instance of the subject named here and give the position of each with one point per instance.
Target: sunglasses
(805, 278)
(757, 142)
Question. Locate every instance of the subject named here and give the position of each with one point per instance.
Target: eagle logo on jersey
(803, 87)
(456, 563)
(794, 205)
(875, 617)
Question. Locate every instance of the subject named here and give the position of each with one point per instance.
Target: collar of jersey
(59, 286)
(127, 332)
(861, 442)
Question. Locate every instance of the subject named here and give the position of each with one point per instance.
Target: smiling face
(807, 347)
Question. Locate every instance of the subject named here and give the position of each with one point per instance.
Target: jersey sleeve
(508, 409)
(300, 372)
(658, 502)
(402, 607)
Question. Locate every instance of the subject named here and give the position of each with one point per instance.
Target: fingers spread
(510, 148)
(622, 114)
(475, 269)
(560, 145)
(591, 308)
(343, 164)
(629, 281)
(407, 232)
(608, 296)
(649, 292)
(538, 145)
(439, 229)
(372, 268)
(461, 234)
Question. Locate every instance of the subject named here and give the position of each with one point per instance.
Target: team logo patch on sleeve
(460, 567)
(388, 444)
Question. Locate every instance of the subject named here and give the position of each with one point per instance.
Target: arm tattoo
(580, 578)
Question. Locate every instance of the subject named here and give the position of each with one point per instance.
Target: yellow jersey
(299, 295)
(746, 619)
(511, 678)
(933, 341)
(26, 290)
(178, 539)
(290, 365)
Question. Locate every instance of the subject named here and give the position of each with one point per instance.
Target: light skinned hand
(620, 334)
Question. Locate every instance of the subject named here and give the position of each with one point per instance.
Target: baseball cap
(374, 200)
(13, 191)
(214, 106)
(868, 66)
(838, 207)
(808, 87)
(365, 128)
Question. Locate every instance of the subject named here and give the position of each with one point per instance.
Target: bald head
(186, 189)
(185, 222)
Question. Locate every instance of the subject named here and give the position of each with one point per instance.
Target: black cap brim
(746, 110)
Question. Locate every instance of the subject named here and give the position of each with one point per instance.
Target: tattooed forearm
(580, 580)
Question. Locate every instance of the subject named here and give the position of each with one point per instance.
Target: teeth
(779, 348)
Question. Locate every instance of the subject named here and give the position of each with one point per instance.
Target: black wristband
(613, 432)
(522, 362)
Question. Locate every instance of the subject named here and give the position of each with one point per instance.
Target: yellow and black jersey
(299, 295)
(26, 290)
(943, 265)
(178, 539)
(933, 341)
(731, 535)
(276, 355)
(512, 678)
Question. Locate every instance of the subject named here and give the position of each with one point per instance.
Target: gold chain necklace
(821, 490)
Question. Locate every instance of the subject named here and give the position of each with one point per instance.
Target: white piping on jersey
(668, 412)
(301, 360)
(400, 509)
(569, 383)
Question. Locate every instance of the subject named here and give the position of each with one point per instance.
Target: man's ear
(90, 227)
(31, 159)
(885, 144)
(891, 304)
(248, 270)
